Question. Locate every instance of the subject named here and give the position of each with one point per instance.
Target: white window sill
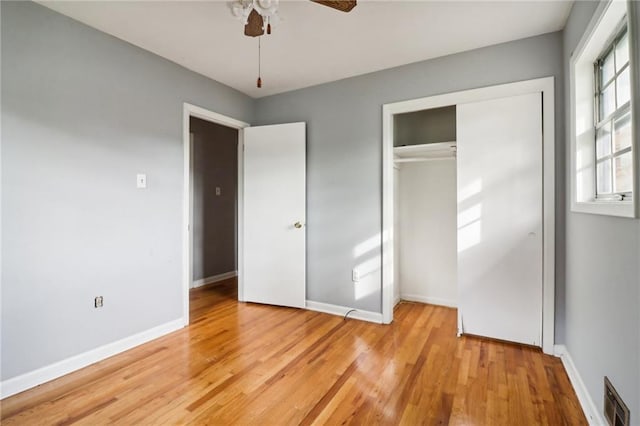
(607, 208)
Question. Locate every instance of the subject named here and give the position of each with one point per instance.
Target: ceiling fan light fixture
(257, 15)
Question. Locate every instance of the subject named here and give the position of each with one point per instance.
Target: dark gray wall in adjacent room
(344, 149)
(82, 114)
(603, 275)
(215, 165)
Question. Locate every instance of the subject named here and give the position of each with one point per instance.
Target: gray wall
(602, 300)
(82, 113)
(344, 134)
(215, 164)
(427, 126)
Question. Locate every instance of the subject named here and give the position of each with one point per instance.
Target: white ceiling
(313, 44)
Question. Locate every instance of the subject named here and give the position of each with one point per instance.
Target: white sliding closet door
(500, 218)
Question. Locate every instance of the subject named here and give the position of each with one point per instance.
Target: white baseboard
(214, 279)
(42, 375)
(590, 409)
(430, 300)
(342, 310)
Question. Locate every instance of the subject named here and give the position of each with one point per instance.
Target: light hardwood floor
(250, 364)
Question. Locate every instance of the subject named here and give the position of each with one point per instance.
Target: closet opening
(468, 216)
(424, 179)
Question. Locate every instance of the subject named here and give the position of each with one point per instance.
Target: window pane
(607, 101)
(622, 136)
(622, 52)
(607, 70)
(603, 141)
(623, 88)
(603, 178)
(623, 173)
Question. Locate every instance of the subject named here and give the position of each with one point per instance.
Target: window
(614, 177)
(604, 156)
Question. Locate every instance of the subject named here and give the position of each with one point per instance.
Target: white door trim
(544, 85)
(188, 111)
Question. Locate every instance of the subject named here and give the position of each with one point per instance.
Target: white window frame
(618, 113)
(603, 26)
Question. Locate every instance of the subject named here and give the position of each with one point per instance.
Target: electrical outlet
(98, 302)
(355, 275)
(218, 190)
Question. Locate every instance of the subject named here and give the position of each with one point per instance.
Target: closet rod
(420, 159)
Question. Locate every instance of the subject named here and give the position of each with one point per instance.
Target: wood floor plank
(243, 363)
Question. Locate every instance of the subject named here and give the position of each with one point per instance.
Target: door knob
(298, 225)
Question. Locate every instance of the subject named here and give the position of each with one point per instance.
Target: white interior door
(500, 218)
(274, 214)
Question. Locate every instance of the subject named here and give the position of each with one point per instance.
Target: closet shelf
(421, 159)
(425, 152)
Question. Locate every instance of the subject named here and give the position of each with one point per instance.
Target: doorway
(212, 206)
(214, 187)
(271, 176)
(544, 88)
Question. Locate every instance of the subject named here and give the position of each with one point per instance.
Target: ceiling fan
(259, 14)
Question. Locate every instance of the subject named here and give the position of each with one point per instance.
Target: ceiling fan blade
(341, 5)
(255, 23)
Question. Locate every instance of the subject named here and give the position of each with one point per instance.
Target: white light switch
(141, 180)
(218, 190)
